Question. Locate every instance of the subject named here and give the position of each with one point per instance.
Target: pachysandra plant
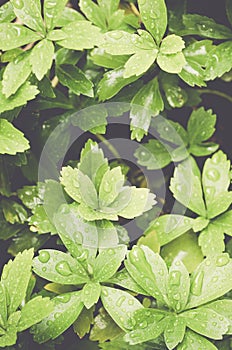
(186, 312)
(18, 310)
(155, 62)
(206, 195)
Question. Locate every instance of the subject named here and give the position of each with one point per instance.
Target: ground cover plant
(115, 175)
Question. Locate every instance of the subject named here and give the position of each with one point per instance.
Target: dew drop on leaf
(44, 256)
(222, 260)
(175, 278)
(213, 174)
(64, 298)
(18, 4)
(63, 268)
(115, 35)
(120, 301)
(196, 287)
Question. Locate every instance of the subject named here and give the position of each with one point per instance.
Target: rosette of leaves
(188, 311)
(206, 195)
(18, 311)
(107, 15)
(100, 191)
(176, 143)
(80, 281)
(218, 62)
(57, 26)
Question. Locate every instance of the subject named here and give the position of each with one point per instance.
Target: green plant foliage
(17, 311)
(115, 266)
(180, 293)
(213, 219)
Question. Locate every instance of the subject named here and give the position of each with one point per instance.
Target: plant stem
(135, 10)
(109, 146)
(215, 92)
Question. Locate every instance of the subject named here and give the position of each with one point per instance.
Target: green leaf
(153, 155)
(178, 286)
(34, 311)
(149, 271)
(11, 139)
(119, 42)
(224, 223)
(41, 58)
(174, 331)
(104, 328)
(154, 18)
(170, 227)
(10, 335)
(13, 211)
(115, 301)
(172, 44)
(139, 63)
(92, 160)
(186, 186)
(93, 12)
(67, 16)
(199, 51)
(112, 82)
(146, 103)
(7, 12)
(193, 341)
(219, 61)
(223, 308)
(90, 294)
(80, 35)
(210, 280)
(87, 191)
(192, 73)
(29, 12)
(83, 324)
(15, 35)
(15, 278)
(75, 80)
(15, 74)
(205, 27)
(123, 279)
(215, 178)
(67, 308)
(175, 95)
(39, 221)
(148, 324)
(201, 125)
(211, 240)
(93, 120)
(172, 63)
(3, 306)
(107, 262)
(141, 200)
(69, 179)
(52, 11)
(206, 322)
(59, 267)
(110, 187)
(104, 59)
(25, 93)
(74, 231)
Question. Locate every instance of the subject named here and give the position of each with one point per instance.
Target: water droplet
(213, 174)
(175, 278)
(196, 287)
(64, 298)
(120, 301)
(222, 260)
(105, 292)
(63, 268)
(143, 324)
(44, 256)
(111, 252)
(18, 4)
(44, 269)
(107, 187)
(50, 4)
(131, 302)
(115, 35)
